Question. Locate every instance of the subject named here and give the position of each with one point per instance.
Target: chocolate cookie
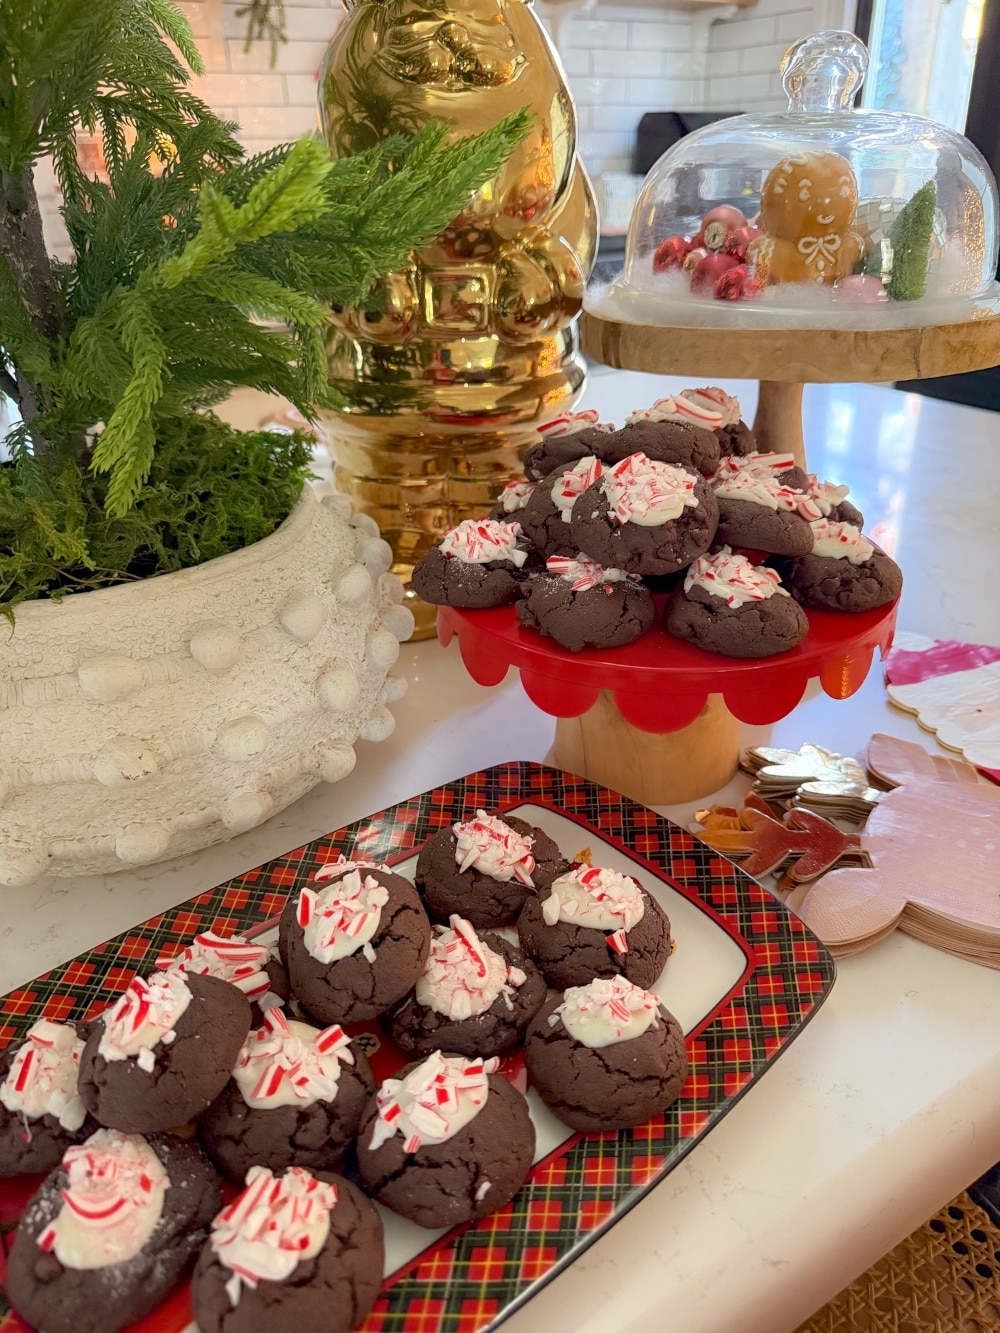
(729, 606)
(723, 419)
(479, 564)
(136, 1077)
(295, 1099)
(464, 1154)
(612, 1079)
(333, 1279)
(830, 583)
(545, 518)
(139, 1270)
(622, 930)
(482, 897)
(41, 1113)
(556, 450)
(845, 512)
(737, 439)
(605, 518)
(832, 502)
(475, 996)
(354, 975)
(758, 528)
(582, 605)
(667, 442)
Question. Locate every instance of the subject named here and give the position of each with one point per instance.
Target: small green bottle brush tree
(195, 270)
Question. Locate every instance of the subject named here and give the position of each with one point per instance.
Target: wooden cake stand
(791, 358)
(659, 719)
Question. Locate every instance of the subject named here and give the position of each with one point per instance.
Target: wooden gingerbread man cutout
(933, 842)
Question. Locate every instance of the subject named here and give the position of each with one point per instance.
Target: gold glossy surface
(475, 342)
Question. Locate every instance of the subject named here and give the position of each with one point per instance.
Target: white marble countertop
(889, 1103)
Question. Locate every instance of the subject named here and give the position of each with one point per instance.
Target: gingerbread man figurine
(807, 207)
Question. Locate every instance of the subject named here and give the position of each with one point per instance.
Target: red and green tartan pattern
(472, 1278)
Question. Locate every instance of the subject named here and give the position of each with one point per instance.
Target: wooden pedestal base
(778, 423)
(655, 769)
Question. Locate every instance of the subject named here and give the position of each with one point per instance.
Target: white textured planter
(156, 718)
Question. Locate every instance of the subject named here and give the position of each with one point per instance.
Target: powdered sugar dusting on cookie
(597, 898)
(433, 1102)
(841, 541)
(43, 1075)
(463, 976)
(112, 1201)
(287, 1063)
(742, 484)
(480, 541)
(342, 918)
(733, 578)
(233, 959)
(583, 573)
(274, 1225)
(682, 410)
(715, 398)
(572, 423)
(648, 493)
(489, 845)
(142, 1016)
(571, 484)
(606, 1011)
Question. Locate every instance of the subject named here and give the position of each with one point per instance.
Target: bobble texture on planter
(156, 718)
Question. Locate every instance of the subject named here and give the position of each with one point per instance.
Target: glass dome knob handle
(824, 72)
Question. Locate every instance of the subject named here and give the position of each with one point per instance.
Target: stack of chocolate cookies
(677, 502)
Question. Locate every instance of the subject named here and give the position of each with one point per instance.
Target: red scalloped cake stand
(659, 719)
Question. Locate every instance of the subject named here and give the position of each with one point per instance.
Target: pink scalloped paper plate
(661, 684)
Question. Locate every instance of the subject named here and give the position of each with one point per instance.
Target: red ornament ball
(738, 242)
(670, 253)
(710, 270)
(736, 284)
(718, 223)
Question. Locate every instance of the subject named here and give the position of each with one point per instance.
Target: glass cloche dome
(819, 216)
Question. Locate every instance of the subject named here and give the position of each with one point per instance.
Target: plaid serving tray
(469, 1280)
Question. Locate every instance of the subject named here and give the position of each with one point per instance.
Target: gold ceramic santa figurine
(474, 343)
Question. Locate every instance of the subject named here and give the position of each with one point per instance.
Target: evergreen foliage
(910, 242)
(195, 270)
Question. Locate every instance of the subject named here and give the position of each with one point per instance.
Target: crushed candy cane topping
(754, 465)
(597, 898)
(463, 976)
(479, 541)
(572, 423)
(841, 541)
(488, 844)
(234, 959)
(582, 573)
(571, 484)
(343, 865)
(722, 402)
(275, 1224)
(733, 578)
(606, 1011)
(515, 495)
(648, 493)
(112, 1201)
(826, 494)
(766, 491)
(286, 1063)
(681, 409)
(342, 918)
(43, 1076)
(433, 1102)
(142, 1016)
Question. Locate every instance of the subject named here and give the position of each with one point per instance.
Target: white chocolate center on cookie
(684, 410)
(463, 976)
(492, 847)
(648, 493)
(142, 1016)
(286, 1063)
(571, 484)
(433, 1102)
(43, 1075)
(480, 541)
(235, 960)
(596, 898)
(606, 1011)
(342, 918)
(112, 1201)
(840, 541)
(733, 578)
